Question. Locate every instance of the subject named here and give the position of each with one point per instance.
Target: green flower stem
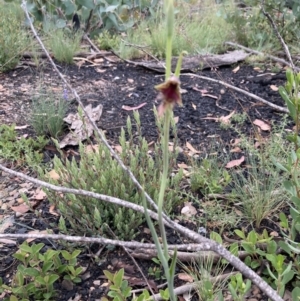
(164, 179)
(169, 8)
(160, 254)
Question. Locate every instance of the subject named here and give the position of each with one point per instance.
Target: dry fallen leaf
(39, 195)
(185, 277)
(23, 208)
(52, 210)
(118, 148)
(263, 125)
(183, 165)
(235, 150)
(52, 174)
(223, 119)
(234, 163)
(81, 128)
(274, 88)
(191, 148)
(128, 108)
(188, 210)
(6, 223)
(235, 70)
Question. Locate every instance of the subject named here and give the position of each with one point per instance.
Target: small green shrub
(97, 171)
(13, 38)
(48, 112)
(64, 45)
(108, 41)
(38, 271)
(20, 150)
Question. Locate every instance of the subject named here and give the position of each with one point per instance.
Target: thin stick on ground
(274, 58)
(275, 107)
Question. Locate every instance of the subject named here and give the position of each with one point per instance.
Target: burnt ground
(116, 84)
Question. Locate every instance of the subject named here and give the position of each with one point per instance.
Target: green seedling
(238, 288)
(282, 274)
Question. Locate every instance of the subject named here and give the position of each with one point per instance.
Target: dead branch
(148, 254)
(275, 107)
(100, 240)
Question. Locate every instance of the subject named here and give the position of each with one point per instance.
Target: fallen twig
(274, 58)
(275, 107)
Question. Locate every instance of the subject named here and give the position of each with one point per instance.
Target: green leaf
(47, 266)
(291, 107)
(40, 280)
(240, 234)
(272, 247)
(87, 3)
(119, 277)
(252, 237)
(216, 237)
(75, 253)
(296, 201)
(52, 278)
(109, 275)
(296, 294)
(24, 247)
(32, 272)
(111, 8)
(248, 247)
(66, 255)
(289, 186)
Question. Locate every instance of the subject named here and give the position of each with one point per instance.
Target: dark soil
(114, 85)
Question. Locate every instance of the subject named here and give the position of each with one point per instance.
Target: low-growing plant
(238, 288)
(64, 44)
(21, 150)
(48, 112)
(263, 253)
(13, 37)
(108, 40)
(99, 172)
(38, 271)
(258, 187)
(239, 118)
(120, 290)
(209, 175)
(156, 271)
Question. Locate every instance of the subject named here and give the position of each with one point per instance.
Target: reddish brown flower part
(170, 92)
